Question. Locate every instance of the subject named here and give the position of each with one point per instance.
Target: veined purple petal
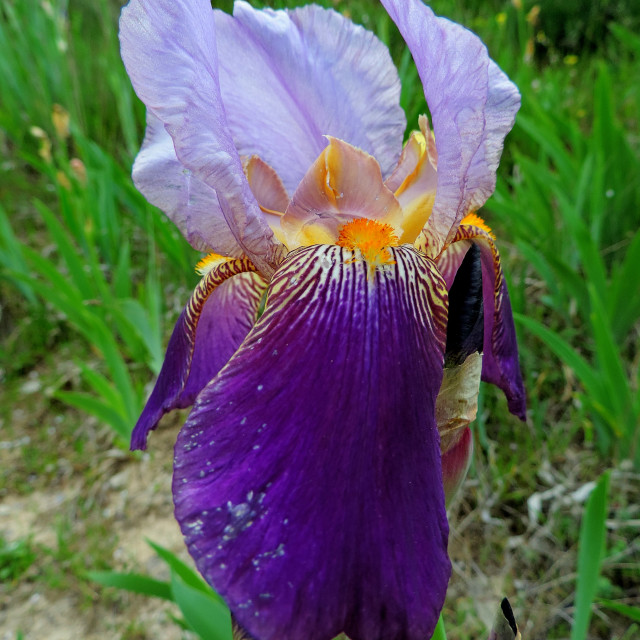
(500, 364)
(472, 107)
(307, 478)
(288, 78)
(190, 203)
(169, 50)
(208, 332)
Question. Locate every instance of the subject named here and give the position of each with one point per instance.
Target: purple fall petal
(472, 107)
(169, 50)
(288, 78)
(307, 478)
(192, 361)
(500, 364)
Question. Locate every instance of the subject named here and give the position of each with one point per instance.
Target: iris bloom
(349, 283)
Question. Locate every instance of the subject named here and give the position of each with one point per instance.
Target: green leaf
(186, 573)
(563, 350)
(133, 582)
(208, 617)
(615, 377)
(100, 409)
(591, 548)
(633, 613)
(439, 632)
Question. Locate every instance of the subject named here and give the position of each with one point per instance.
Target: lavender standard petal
(307, 478)
(472, 107)
(503, 102)
(169, 50)
(190, 203)
(288, 78)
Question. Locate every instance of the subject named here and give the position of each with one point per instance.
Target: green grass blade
(208, 617)
(100, 409)
(186, 573)
(615, 377)
(564, 351)
(591, 547)
(623, 308)
(633, 613)
(439, 632)
(133, 582)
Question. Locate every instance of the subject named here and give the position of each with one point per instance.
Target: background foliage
(92, 277)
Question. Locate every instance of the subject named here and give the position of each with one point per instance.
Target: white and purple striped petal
(307, 478)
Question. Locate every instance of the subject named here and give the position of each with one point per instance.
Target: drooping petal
(449, 261)
(472, 109)
(209, 330)
(190, 203)
(343, 183)
(288, 78)
(500, 365)
(307, 478)
(169, 50)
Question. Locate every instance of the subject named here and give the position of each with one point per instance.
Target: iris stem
(439, 632)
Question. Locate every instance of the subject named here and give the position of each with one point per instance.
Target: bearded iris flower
(350, 302)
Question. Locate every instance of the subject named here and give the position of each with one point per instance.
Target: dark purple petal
(307, 478)
(290, 78)
(208, 332)
(472, 107)
(169, 50)
(500, 364)
(190, 203)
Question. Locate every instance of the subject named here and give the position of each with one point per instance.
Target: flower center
(371, 238)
